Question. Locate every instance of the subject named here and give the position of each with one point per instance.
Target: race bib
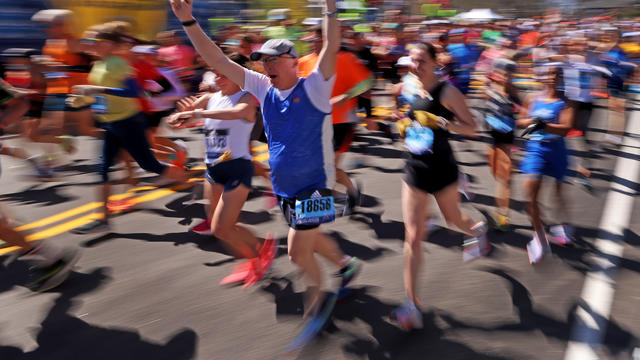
(419, 140)
(56, 75)
(216, 141)
(101, 105)
(314, 209)
(498, 124)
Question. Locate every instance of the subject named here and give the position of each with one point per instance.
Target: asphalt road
(149, 289)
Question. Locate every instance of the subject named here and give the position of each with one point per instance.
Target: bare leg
(503, 178)
(341, 176)
(414, 211)
(239, 239)
(448, 200)
(302, 244)
(532, 188)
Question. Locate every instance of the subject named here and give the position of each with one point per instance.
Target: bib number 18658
(315, 211)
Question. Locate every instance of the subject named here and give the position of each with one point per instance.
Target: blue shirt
(299, 132)
(550, 114)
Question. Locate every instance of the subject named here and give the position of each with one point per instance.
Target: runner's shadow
(530, 319)
(205, 243)
(49, 196)
(483, 199)
(388, 341)
(10, 352)
(187, 212)
(473, 164)
(13, 272)
(354, 249)
(390, 230)
(288, 302)
(626, 155)
(65, 336)
(376, 150)
(383, 170)
(82, 168)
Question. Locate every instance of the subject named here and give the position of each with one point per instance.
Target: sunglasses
(274, 59)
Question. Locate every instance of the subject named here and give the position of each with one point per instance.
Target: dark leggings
(130, 135)
(365, 103)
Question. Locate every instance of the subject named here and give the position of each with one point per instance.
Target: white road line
(592, 314)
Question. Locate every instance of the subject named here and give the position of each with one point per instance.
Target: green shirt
(112, 73)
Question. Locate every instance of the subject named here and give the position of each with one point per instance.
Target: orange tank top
(61, 82)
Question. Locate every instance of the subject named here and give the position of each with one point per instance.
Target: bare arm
(245, 109)
(208, 49)
(455, 102)
(565, 122)
(524, 119)
(331, 34)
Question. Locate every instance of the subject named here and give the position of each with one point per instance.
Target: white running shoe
(537, 250)
(477, 246)
(613, 139)
(464, 186)
(560, 235)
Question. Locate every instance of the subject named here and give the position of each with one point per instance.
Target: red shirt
(145, 71)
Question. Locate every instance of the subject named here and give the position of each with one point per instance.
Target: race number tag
(216, 141)
(314, 209)
(498, 124)
(419, 139)
(100, 106)
(55, 75)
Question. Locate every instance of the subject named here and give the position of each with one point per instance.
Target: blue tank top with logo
(300, 143)
(549, 112)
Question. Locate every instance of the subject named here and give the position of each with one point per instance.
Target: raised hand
(182, 9)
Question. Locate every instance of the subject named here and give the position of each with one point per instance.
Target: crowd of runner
(306, 97)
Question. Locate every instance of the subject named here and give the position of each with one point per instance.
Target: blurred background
(148, 17)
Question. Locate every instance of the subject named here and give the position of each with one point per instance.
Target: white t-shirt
(317, 88)
(223, 136)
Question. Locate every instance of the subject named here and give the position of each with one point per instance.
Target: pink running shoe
(204, 228)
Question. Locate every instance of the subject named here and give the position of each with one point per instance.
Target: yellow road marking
(61, 216)
(56, 230)
(157, 194)
(72, 224)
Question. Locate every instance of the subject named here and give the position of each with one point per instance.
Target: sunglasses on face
(274, 59)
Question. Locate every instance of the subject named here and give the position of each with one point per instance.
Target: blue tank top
(549, 113)
(300, 143)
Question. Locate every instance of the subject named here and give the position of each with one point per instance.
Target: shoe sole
(394, 320)
(358, 270)
(561, 242)
(205, 233)
(61, 276)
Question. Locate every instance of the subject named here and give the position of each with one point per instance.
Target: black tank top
(433, 105)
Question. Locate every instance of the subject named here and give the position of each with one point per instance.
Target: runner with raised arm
(298, 126)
